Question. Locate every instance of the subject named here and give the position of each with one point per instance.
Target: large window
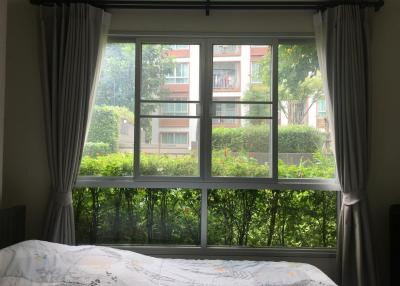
(232, 153)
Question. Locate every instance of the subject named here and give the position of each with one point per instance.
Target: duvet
(42, 263)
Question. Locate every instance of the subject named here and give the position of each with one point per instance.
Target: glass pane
(239, 109)
(171, 109)
(111, 130)
(137, 216)
(226, 50)
(241, 148)
(169, 147)
(305, 144)
(268, 218)
(242, 72)
(170, 72)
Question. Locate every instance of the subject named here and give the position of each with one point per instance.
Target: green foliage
(291, 139)
(299, 80)
(94, 149)
(299, 139)
(104, 127)
(117, 79)
(249, 138)
(236, 217)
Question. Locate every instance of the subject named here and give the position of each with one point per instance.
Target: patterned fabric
(43, 263)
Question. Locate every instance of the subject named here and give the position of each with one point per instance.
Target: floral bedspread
(36, 262)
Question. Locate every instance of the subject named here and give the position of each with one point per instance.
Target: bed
(37, 262)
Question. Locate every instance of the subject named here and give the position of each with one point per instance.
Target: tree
(116, 86)
(298, 81)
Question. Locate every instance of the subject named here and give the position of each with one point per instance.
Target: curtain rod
(208, 5)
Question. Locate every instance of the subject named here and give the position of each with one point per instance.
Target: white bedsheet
(42, 263)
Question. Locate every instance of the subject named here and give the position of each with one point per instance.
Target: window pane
(171, 109)
(168, 74)
(305, 144)
(111, 129)
(137, 216)
(241, 148)
(169, 147)
(239, 109)
(242, 72)
(226, 50)
(267, 218)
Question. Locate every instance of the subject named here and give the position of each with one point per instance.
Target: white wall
(3, 33)
(26, 179)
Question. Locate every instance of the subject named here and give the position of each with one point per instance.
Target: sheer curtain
(73, 37)
(342, 46)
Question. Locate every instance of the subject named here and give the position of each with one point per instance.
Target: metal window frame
(205, 181)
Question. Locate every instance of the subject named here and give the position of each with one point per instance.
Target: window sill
(219, 252)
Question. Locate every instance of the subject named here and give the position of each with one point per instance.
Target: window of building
(179, 47)
(321, 108)
(179, 73)
(226, 50)
(226, 75)
(174, 138)
(256, 73)
(214, 167)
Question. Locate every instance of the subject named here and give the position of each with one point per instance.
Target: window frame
(205, 181)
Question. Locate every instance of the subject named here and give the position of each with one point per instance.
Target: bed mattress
(36, 262)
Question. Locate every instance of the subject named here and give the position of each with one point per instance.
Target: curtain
(342, 46)
(72, 38)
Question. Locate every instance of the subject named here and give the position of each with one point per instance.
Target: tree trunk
(163, 216)
(272, 213)
(129, 194)
(95, 214)
(117, 215)
(151, 199)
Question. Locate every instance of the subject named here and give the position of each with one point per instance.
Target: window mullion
(206, 84)
(138, 78)
(274, 85)
(204, 217)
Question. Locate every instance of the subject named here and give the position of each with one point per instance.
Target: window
(175, 108)
(179, 73)
(256, 72)
(179, 47)
(174, 138)
(207, 157)
(321, 108)
(226, 50)
(226, 75)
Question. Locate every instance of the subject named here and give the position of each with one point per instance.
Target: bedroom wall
(383, 186)
(3, 33)
(25, 175)
(26, 179)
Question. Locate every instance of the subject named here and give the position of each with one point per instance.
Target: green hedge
(291, 139)
(104, 128)
(94, 149)
(299, 139)
(121, 164)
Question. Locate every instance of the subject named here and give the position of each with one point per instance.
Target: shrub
(94, 149)
(292, 139)
(105, 125)
(299, 139)
(250, 139)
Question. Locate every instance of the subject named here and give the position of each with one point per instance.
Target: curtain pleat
(72, 38)
(342, 46)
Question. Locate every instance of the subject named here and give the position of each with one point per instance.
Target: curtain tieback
(63, 198)
(352, 198)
